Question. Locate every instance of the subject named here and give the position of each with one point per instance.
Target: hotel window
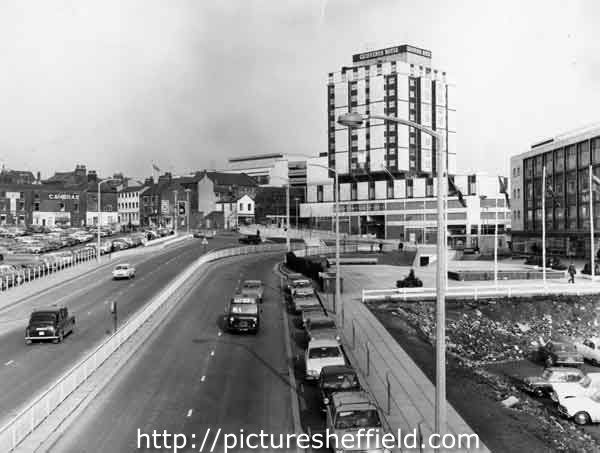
(584, 154)
(36, 206)
(571, 158)
(390, 188)
(429, 187)
(392, 92)
(412, 116)
(596, 150)
(411, 82)
(538, 165)
(409, 188)
(371, 190)
(549, 163)
(353, 191)
(559, 161)
(319, 194)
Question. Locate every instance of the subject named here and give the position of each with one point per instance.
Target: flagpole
(592, 248)
(544, 224)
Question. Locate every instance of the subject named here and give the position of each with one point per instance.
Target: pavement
(191, 376)
(28, 370)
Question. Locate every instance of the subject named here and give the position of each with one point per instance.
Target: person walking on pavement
(571, 270)
(381, 247)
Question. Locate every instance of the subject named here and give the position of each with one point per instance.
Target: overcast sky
(117, 84)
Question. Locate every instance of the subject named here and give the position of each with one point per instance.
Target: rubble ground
(496, 340)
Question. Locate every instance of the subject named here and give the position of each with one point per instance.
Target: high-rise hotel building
(397, 81)
(387, 171)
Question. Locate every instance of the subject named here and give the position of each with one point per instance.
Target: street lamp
(187, 208)
(355, 119)
(100, 214)
(336, 188)
(175, 216)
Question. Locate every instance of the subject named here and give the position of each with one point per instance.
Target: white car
(123, 271)
(581, 409)
(590, 350)
(587, 386)
(320, 353)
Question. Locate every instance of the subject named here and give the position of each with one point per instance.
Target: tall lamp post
(355, 119)
(336, 189)
(187, 209)
(287, 210)
(100, 215)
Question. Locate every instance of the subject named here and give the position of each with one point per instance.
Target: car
(243, 314)
(309, 311)
(320, 353)
(302, 298)
(199, 234)
(250, 239)
(589, 385)
(581, 409)
(321, 326)
(543, 385)
(253, 288)
(52, 323)
(351, 413)
(123, 271)
(337, 378)
(590, 350)
(560, 353)
(120, 244)
(295, 282)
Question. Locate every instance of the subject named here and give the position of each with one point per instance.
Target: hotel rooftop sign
(382, 53)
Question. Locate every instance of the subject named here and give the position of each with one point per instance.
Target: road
(27, 370)
(192, 376)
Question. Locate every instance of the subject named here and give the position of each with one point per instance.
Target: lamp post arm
(418, 126)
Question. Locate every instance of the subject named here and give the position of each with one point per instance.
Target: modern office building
(387, 171)
(567, 159)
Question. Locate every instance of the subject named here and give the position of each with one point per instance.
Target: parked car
(337, 378)
(590, 350)
(308, 311)
(52, 323)
(560, 353)
(243, 314)
(542, 385)
(302, 298)
(581, 409)
(321, 353)
(321, 326)
(589, 385)
(253, 288)
(123, 271)
(351, 413)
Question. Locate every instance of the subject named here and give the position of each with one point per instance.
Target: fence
(23, 424)
(45, 266)
(474, 292)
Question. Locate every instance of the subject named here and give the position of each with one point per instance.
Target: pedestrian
(381, 247)
(571, 272)
(400, 246)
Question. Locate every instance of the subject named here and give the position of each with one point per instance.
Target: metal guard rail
(475, 292)
(26, 421)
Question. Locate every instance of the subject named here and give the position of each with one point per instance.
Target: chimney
(92, 176)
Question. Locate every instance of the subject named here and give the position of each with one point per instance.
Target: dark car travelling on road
(337, 378)
(243, 314)
(560, 353)
(250, 239)
(49, 324)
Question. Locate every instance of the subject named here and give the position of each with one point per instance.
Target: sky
(119, 84)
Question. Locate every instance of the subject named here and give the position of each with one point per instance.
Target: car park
(350, 413)
(123, 271)
(52, 323)
(243, 314)
(321, 353)
(335, 379)
(543, 385)
(559, 353)
(253, 288)
(321, 326)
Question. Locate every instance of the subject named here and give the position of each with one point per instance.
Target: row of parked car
(575, 393)
(347, 406)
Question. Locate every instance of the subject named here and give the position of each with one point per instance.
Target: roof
(360, 399)
(323, 343)
(231, 179)
(256, 157)
(337, 369)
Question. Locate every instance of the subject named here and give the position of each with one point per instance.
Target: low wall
(469, 275)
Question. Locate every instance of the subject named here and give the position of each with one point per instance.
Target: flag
(503, 180)
(550, 192)
(453, 191)
(155, 168)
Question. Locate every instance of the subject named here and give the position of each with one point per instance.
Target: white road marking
(10, 362)
(189, 414)
(212, 353)
(202, 378)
